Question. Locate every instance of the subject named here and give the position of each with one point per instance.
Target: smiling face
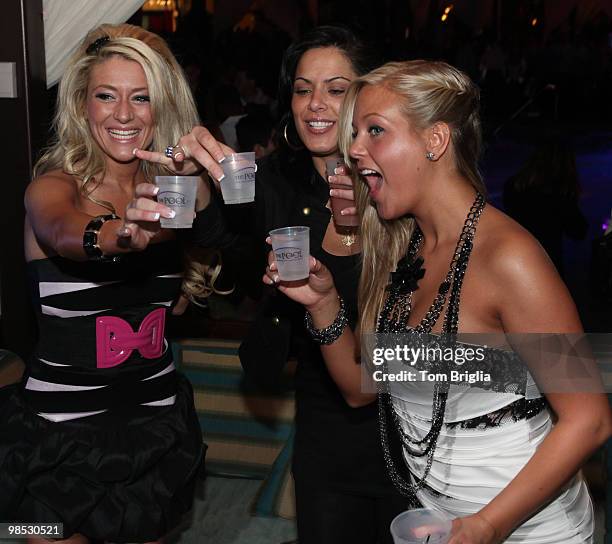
(321, 80)
(118, 108)
(389, 151)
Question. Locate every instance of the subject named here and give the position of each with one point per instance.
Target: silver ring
(173, 150)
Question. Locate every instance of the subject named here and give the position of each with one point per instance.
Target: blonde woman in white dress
(506, 465)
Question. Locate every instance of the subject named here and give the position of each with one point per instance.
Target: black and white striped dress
(124, 440)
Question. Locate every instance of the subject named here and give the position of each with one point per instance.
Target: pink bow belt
(115, 339)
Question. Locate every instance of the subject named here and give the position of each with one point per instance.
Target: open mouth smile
(374, 180)
(319, 126)
(123, 135)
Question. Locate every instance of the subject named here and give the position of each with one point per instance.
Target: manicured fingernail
(134, 151)
(170, 214)
(342, 212)
(276, 278)
(156, 216)
(155, 191)
(273, 266)
(331, 179)
(221, 160)
(221, 178)
(338, 170)
(332, 192)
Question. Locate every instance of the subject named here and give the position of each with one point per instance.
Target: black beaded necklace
(393, 318)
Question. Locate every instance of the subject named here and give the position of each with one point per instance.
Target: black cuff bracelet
(90, 238)
(331, 333)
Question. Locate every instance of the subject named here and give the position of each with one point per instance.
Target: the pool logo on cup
(245, 175)
(171, 198)
(288, 254)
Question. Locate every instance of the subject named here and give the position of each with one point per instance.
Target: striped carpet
(249, 433)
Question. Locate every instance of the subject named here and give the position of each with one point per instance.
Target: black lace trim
(506, 370)
(518, 410)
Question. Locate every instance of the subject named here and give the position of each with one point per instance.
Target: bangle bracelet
(90, 238)
(331, 333)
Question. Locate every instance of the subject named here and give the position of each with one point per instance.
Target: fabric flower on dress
(407, 275)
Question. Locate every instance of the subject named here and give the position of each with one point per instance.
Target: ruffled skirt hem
(115, 476)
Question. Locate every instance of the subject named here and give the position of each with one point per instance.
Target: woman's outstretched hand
(141, 222)
(312, 292)
(194, 151)
(144, 208)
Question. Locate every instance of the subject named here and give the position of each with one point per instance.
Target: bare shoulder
(508, 249)
(526, 290)
(51, 186)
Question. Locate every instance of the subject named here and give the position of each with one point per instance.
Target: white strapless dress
(472, 465)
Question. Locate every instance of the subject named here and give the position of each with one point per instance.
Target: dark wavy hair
(359, 55)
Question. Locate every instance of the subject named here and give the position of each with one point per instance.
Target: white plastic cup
(421, 526)
(291, 246)
(178, 193)
(238, 185)
(338, 204)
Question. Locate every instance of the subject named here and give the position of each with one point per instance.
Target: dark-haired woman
(342, 492)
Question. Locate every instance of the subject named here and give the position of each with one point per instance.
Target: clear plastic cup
(291, 246)
(338, 204)
(421, 526)
(238, 185)
(178, 193)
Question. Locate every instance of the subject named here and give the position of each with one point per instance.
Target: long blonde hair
(202, 270)
(73, 148)
(429, 92)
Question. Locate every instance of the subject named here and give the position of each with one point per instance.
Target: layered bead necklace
(393, 318)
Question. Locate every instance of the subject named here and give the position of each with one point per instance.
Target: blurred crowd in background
(509, 48)
(544, 69)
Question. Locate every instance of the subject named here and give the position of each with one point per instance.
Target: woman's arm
(319, 296)
(531, 298)
(51, 207)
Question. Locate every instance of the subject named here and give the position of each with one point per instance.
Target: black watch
(90, 238)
